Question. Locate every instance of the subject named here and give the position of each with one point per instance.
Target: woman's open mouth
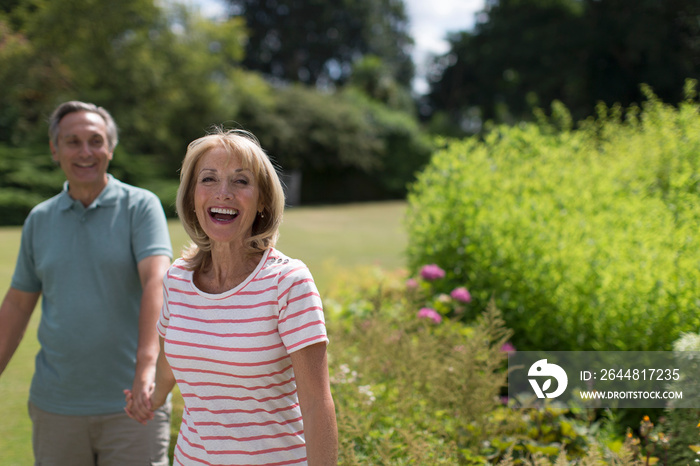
(221, 214)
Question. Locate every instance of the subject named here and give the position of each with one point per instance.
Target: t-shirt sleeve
(301, 321)
(25, 277)
(150, 236)
(164, 318)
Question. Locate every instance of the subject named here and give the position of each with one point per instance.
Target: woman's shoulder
(179, 270)
(278, 258)
(280, 264)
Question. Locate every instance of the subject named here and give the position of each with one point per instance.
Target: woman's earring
(262, 214)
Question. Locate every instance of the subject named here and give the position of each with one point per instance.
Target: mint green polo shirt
(84, 262)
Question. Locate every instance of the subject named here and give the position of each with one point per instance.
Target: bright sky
(431, 20)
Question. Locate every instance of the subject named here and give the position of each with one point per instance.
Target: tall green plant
(586, 238)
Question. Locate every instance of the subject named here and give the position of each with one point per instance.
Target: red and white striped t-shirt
(229, 353)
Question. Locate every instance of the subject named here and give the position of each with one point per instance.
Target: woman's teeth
(219, 210)
(223, 215)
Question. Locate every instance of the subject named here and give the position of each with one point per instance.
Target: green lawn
(328, 239)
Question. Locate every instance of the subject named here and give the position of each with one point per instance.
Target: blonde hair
(265, 230)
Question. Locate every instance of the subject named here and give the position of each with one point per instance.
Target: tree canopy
(316, 42)
(527, 53)
(157, 71)
(168, 75)
(324, 86)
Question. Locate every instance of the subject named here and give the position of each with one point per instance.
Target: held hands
(142, 401)
(139, 408)
(150, 390)
(138, 400)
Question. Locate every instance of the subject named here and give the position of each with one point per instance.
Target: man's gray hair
(77, 106)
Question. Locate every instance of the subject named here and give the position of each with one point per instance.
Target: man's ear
(54, 152)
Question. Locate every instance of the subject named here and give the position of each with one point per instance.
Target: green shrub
(587, 239)
(412, 390)
(347, 146)
(28, 176)
(407, 390)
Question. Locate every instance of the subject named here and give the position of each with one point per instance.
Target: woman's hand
(141, 412)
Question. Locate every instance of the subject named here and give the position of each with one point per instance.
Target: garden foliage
(412, 387)
(167, 75)
(28, 175)
(681, 424)
(410, 390)
(586, 238)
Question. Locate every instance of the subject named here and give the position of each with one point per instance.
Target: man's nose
(85, 148)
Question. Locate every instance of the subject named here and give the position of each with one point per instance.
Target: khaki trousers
(104, 440)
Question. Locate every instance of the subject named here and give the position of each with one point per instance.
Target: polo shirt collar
(107, 197)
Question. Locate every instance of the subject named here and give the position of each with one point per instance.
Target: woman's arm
(317, 407)
(165, 380)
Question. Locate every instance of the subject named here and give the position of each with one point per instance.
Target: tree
(168, 75)
(372, 77)
(346, 146)
(316, 41)
(528, 53)
(650, 42)
(163, 74)
(519, 54)
(30, 79)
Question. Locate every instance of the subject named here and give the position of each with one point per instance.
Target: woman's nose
(224, 191)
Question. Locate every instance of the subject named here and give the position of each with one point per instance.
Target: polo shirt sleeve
(301, 321)
(150, 236)
(25, 277)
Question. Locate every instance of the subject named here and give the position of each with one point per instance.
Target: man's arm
(15, 312)
(152, 269)
(165, 381)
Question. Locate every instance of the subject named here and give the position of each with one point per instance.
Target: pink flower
(461, 294)
(507, 347)
(411, 283)
(432, 272)
(428, 313)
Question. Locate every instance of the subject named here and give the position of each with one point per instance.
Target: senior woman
(242, 327)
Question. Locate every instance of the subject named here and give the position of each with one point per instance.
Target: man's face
(82, 150)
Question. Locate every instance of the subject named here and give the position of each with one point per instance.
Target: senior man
(96, 253)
